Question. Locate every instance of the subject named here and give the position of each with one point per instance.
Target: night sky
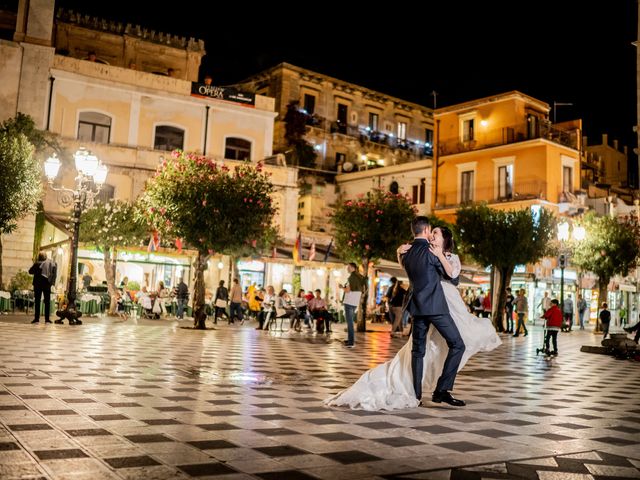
(568, 51)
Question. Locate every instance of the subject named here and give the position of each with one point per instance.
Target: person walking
(44, 273)
(182, 297)
(508, 308)
(567, 310)
(522, 306)
(220, 301)
(605, 319)
(553, 317)
(235, 306)
(582, 309)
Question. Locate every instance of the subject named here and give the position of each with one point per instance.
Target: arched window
(237, 149)
(168, 138)
(394, 187)
(94, 127)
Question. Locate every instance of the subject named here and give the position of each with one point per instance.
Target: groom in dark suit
(428, 306)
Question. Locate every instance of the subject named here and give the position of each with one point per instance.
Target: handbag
(221, 303)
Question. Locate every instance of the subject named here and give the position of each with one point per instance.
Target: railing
(507, 135)
(370, 137)
(528, 190)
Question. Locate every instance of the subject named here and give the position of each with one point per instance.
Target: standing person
(44, 273)
(220, 302)
(355, 284)
(396, 300)
(508, 308)
(582, 308)
(235, 297)
(522, 306)
(567, 309)
(390, 385)
(553, 317)
(605, 319)
(162, 295)
(545, 303)
(388, 296)
(486, 305)
(182, 297)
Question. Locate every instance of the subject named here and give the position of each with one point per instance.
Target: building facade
(129, 116)
(351, 128)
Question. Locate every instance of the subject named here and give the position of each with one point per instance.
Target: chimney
(605, 139)
(615, 144)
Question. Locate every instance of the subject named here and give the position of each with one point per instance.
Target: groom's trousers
(445, 326)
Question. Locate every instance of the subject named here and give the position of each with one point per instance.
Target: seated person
(318, 309)
(283, 305)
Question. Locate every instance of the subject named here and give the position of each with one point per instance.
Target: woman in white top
(389, 386)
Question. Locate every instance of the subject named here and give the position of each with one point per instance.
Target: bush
(21, 281)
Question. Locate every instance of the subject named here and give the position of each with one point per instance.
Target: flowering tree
(611, 247)
(110, 226)
(371, 228)
(212, 207)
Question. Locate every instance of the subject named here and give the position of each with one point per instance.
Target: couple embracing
(433, 356)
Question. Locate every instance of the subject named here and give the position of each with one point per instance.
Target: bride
(389, 386)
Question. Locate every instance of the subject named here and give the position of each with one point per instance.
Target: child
(553, 317)
(605, 318)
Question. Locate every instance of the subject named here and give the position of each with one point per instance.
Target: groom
(427, 306)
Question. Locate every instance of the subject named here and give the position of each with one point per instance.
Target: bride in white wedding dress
(389, 386)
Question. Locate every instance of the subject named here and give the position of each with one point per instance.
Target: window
(567, 179)
(373, 122)
(505, 182)
(402, 130)
(168, 138)
(466, 186)
(428, 137)
(309, 103)
(467, 130)
(418, 197)
(340, 158)
(394, 187)
(94, 127)
(237, 149)
(106, 193)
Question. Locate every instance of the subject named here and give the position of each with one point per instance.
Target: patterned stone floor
(154, 401)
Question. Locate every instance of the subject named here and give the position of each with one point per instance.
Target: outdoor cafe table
(5, 301)
(90, 304)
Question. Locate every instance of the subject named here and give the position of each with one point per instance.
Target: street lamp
(579, 233)
(91, 176)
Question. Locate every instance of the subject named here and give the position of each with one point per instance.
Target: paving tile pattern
(124, 401)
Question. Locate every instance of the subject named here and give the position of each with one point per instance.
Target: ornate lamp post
(91, 176)
(578, 234)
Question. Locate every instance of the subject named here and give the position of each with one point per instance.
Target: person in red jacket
(553, 317)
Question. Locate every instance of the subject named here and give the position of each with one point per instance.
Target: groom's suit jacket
(425, 272)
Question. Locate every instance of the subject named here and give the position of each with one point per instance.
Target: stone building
(129, 117)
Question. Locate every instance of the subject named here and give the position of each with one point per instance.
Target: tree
(111, 226)
(301, 152)
(503, 239)
(20, 173)
(611, 247)
(215, 209)
(371, 228)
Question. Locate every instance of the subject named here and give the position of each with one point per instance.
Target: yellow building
(504, 151)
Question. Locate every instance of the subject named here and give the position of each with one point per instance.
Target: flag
(179, 245)
(154, 242)
(326, 255)
(312, 251)
(297, 250)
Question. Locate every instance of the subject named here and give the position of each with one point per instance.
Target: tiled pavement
(157, 401)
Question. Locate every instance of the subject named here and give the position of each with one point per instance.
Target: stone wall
(17, 249)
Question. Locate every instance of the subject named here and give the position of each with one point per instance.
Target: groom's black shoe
(439, 397)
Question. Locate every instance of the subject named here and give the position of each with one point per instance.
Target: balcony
(511, 134)
(369, 138)
(529, 190)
